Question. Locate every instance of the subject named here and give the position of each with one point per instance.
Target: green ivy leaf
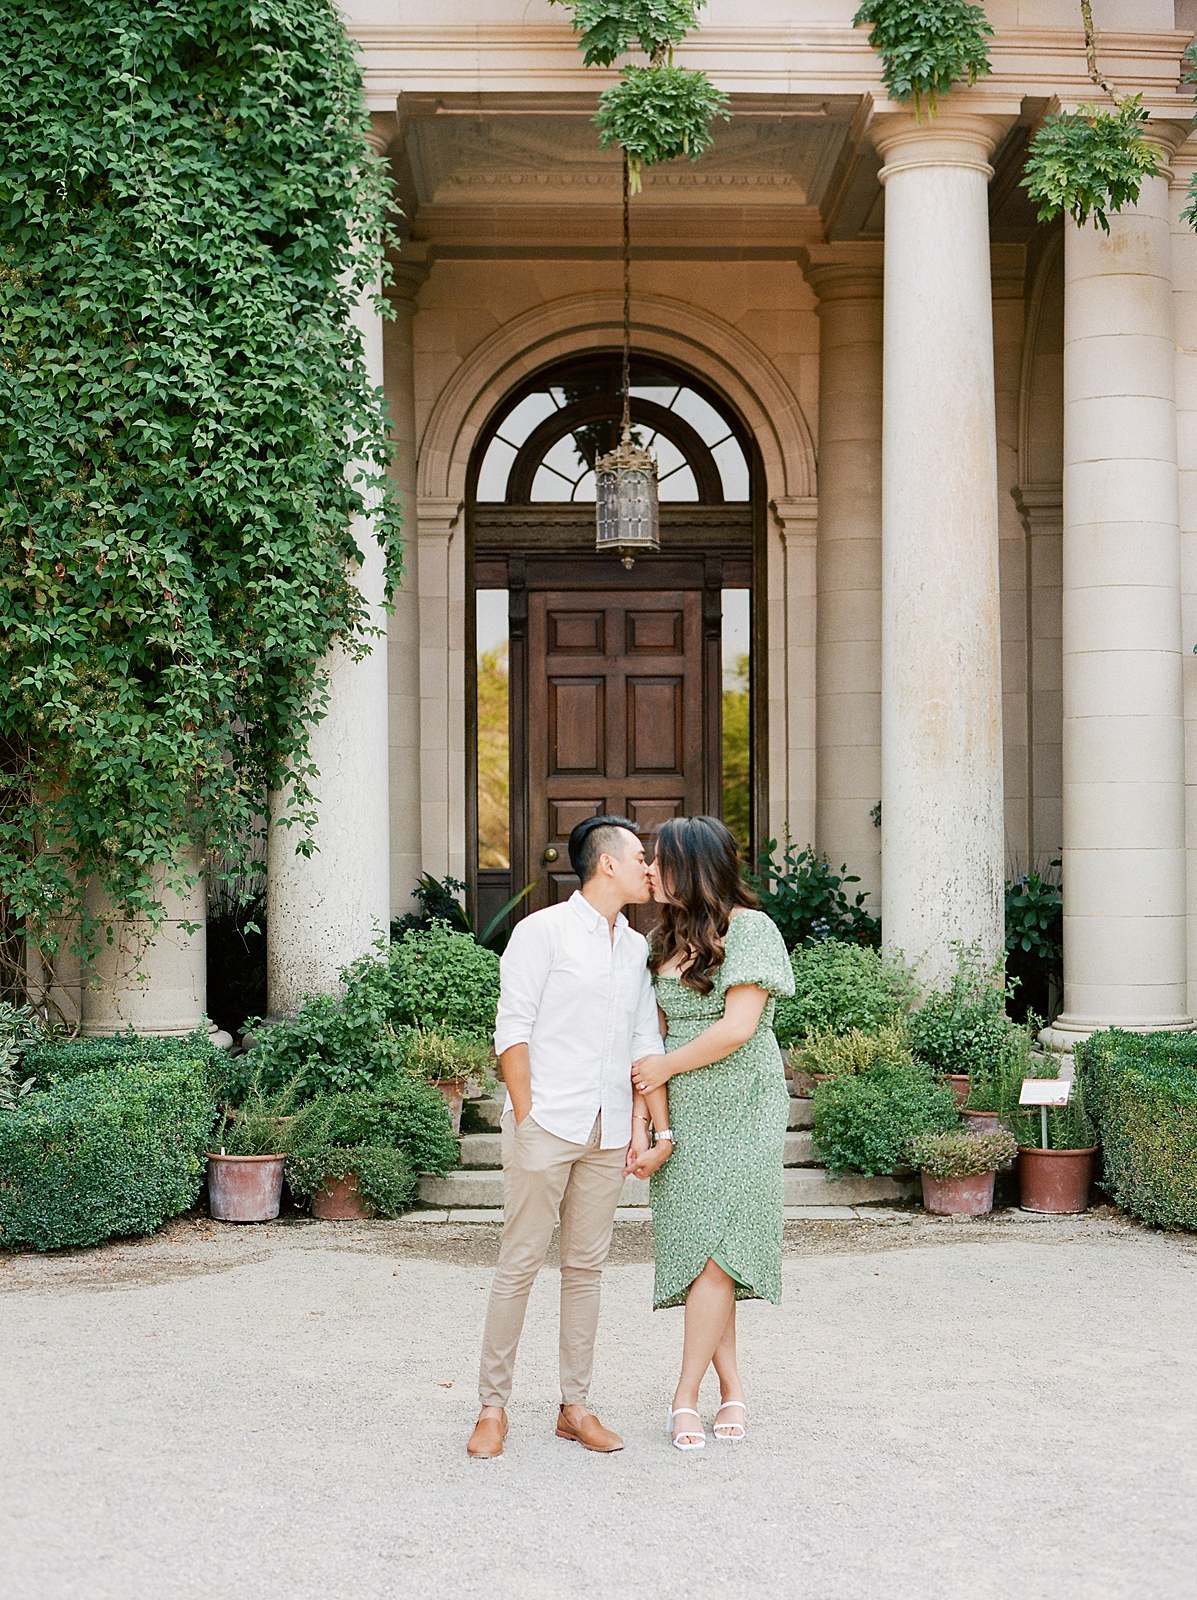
(927, 45)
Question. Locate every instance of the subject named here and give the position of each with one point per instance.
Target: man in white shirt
(576, 1008)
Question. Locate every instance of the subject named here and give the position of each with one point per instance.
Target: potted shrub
(450, 1064)
(1056, 1178)
(350, 1184)
(961, 1031)
(356, 1155)
(837, 987)
(994, 1088)
(958, 1168)
(827, 1054)
(862, 1120)
(245, 1171)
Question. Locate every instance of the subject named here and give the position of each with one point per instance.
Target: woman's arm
(742, 1009)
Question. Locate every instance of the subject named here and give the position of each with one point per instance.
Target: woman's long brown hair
(699, 865)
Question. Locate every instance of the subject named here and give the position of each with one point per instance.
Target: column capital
(796, 519)
(381, 132)
(853, 270)
(1040, 505)
(1166, 139)
(407, 279)
(437, 517)
(954, 138)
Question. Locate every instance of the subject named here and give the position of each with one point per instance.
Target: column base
(217, 1037)
(1067, 1031)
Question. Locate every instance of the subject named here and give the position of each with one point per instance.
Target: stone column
(1184, 308)
(941, 723)
(326, 909)
(403, 625)
(848, 281)
(148, 982)
(1123, 743)
(442, 686)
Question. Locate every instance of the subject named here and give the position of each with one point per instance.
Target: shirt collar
(592, 918)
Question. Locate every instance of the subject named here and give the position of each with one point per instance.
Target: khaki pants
(546, 1178)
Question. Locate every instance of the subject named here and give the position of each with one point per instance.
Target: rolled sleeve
(646, 1031)
(523, 970)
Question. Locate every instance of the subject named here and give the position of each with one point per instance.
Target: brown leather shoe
(486, 1441)
(589, 1432)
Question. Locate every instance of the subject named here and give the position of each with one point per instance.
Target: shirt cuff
(510, 1036)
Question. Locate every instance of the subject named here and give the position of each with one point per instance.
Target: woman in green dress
(717, 1199)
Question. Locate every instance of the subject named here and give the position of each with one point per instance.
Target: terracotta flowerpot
(981, 1121)
(453, 1090)
(244, 1188)
(958, 1197)
(338, 1200)
(1054, 1180)
(958, 1083)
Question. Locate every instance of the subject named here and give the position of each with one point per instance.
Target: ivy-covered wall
(187, 212)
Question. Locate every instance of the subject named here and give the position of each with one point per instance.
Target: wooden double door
(617, 720)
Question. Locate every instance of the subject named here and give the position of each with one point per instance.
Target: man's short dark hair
(595, 837)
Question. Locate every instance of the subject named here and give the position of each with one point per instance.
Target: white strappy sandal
(698, 1440)
(738, 1436)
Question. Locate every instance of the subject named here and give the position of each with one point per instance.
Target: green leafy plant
(658, 114)
(1035, 942)
(439, 903)
(439, 1057)
(960, 1153)
(53, 1060)
(926, 46)
(1141, 1090)
(19, 1026)
(260, 1126)
(840, 986)
(841, 1055)
(805, 897)
(862, 1121)
(655, 113)
(235, 939)
(397, 1111)
(433, 979)
(385, 1179)
(1089, 162)
(997, 1083)
(964, 1028)
(1069, 1127)
(105, 1154)
(187, 431)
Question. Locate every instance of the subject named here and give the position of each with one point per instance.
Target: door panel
(615, 719)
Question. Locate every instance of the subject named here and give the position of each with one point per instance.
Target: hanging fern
(609, 28)
(926, 46)
(655, 113)
(1089, 162)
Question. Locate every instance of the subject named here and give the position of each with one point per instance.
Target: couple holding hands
(624, 1057)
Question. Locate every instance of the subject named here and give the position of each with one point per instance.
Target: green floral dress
(720, 1195)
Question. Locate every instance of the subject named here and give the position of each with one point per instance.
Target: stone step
(800, 1149)
(483, 1115)
(810, 1186)
(476, 1189)
(802, 1112)
(482, 1150)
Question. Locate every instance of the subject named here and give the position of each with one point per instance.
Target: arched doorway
(595, 687)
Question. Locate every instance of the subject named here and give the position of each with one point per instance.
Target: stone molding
(673, 329)
(854, 270)
(955, 138)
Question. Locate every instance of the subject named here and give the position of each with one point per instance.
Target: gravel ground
(951, 1410)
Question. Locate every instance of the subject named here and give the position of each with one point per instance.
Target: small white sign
(1045, 1091)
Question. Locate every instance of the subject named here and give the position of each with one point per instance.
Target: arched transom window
(544, 445)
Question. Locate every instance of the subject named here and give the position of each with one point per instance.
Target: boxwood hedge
(1141, 1090)
(113, 1151)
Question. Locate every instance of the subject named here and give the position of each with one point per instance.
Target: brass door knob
(550, 855)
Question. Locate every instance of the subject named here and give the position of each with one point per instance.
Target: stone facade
(976, 437)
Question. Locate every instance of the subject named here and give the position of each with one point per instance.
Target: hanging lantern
(626, 498)
(625, 479)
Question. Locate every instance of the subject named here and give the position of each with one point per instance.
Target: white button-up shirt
(583, 1003)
